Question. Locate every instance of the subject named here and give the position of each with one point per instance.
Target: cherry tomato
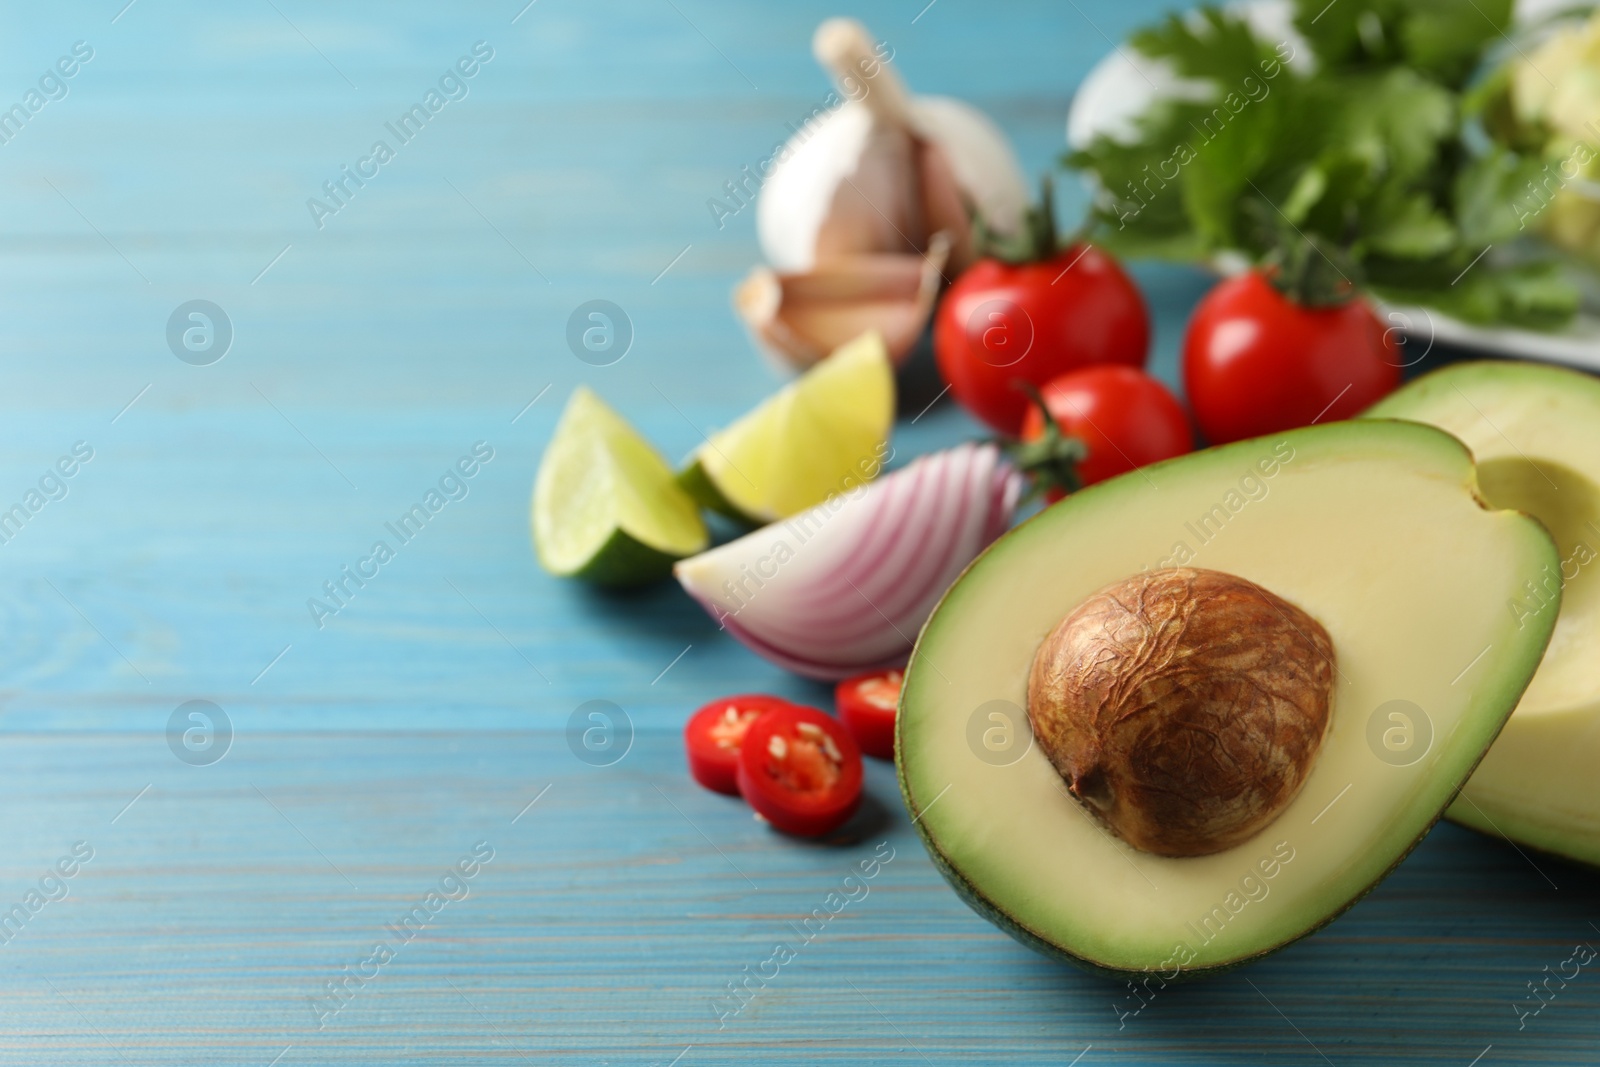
(1126, 418)
(1254, 362)
(800, 770)
(1035, 321)
(866, 705)
(713, 735)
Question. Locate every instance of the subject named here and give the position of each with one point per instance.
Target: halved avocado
(1536, 434)
(1374, 529)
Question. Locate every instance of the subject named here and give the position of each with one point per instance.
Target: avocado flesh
(1372, 528)
(1536, 434)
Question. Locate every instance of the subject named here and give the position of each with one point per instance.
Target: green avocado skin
(976, 899)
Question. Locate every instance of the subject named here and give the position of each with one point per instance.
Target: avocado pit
(1183, 707)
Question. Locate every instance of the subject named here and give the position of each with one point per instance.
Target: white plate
(1577, 346)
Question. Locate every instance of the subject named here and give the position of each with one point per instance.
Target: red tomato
(1126, 418)
(1254, 362)
(713, 734)
(866, 705)
(800, 770)
(1035, 321)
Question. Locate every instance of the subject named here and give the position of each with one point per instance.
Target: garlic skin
(885, 170)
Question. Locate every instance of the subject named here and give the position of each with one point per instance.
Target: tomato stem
(1051, 460)
(1036, 242)
(1309, 271)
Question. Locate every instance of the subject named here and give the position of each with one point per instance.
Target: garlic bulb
(869, 205)
(884, 170)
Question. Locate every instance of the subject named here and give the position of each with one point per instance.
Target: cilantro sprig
(1359, 166)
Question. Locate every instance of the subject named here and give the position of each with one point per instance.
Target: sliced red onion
(845, 587)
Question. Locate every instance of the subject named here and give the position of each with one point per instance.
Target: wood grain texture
(372, 753)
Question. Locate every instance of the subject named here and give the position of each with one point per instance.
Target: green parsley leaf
(1372, 156)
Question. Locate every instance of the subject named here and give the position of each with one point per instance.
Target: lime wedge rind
(622, 562)
(694, 481)
(606, 507)
(821, 433)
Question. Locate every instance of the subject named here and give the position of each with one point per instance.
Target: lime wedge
(824, 433)
(605, 506)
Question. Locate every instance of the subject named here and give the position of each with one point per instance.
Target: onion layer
(845, 587)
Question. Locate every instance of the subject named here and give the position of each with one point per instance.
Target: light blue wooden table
(414, 729)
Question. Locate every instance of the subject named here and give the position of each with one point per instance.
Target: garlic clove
(942, 203)
(869, 211)
(800, 317)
